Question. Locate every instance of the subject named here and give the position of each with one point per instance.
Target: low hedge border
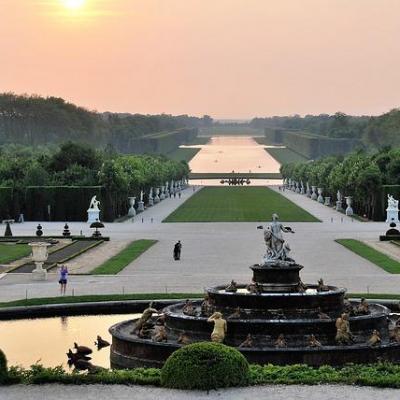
(383, 375)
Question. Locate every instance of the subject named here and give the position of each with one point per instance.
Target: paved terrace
(214, 253)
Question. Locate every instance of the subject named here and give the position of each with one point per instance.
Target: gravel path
(100, 392)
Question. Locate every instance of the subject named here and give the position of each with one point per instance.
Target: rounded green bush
(205, 366)
(3, 367)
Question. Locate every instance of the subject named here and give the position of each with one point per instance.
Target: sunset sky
(226, 58)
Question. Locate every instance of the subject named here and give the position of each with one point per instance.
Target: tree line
(375, 132)
(360, 174)
(35, 120)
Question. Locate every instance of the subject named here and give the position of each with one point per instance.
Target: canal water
(47, 340)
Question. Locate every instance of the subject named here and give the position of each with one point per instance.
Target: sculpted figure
(363, 307)
(236, 314)
(254, 288)
(160, 335)
(321, 286)
(232, 287)
(220, 327)
(144, 332)
(248, 342)
(322, 315)
(375, 338)
(343, 333)
(147, 314)
(302, 287)
(183, 339)
(94, 204)
(207, 306)
(313, 342)
(277, 248)
(347, 306)
(189, 309)
(392, 202)
(394, 331)
(280, 342)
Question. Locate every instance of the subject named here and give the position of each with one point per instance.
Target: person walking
(63, 279)
(177, 250)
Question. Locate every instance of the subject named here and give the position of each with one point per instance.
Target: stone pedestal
(339, 206)
(39, 256)
(93, 216)
(151, 202)
(392, 216)
(140, 206)
(314, 195)
(327, 201)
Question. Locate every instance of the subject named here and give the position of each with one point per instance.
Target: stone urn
(320, 199)
(162, 194)
(39, 256)
(302, 188)
(297, 187)
(327, 201)
(131, 211)
(349, 210)
(314, 195)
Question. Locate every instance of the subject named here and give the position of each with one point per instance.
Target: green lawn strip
(146, 296)
(123, 258)
(99, 297)
(379, 375)
(12, 252)
(238, 204)
(183, 154)
(376, 257)
(285, 155)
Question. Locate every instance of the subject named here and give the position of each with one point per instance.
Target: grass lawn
(285, 155)
(238, 204)
(38, 301)
(381, 260)
(183, 154)
(123, 258)
(12, 252)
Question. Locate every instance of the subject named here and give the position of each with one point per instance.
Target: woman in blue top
(63, 279)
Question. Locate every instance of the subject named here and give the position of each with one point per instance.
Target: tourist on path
(177, 250)
(63, 279)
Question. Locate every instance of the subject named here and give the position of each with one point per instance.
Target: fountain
(274, 319)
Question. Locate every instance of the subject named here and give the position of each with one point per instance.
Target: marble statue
(392, 211)
(94, 204)
(146, 315)
(220, 327)
(141, 195)
(343, 333)
(277, 248)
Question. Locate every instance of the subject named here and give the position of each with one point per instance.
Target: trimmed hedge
(3, 368)
(205, 366)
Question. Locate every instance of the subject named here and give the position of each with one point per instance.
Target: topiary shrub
(3, 368)
(205, 366)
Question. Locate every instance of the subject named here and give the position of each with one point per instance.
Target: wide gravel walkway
(103, 392)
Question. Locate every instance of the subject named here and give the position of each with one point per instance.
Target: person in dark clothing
(177, 250)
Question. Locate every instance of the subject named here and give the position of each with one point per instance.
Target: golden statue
(189, 309)
(363, 307)
(146, 315)
(321, 286)
(236, 314)
(313, 342)
(160, 335)
(220, 327)
(343, 333)
(207, 306)
(232, 287)
(280, 342)
(248, 342)
(375, 338)
(183, 339)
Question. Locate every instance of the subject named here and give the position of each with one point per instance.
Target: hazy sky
(226, 58)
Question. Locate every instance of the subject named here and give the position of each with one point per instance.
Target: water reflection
(47, 340)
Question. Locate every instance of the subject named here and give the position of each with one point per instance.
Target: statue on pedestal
(277, 248)
(392, 211)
